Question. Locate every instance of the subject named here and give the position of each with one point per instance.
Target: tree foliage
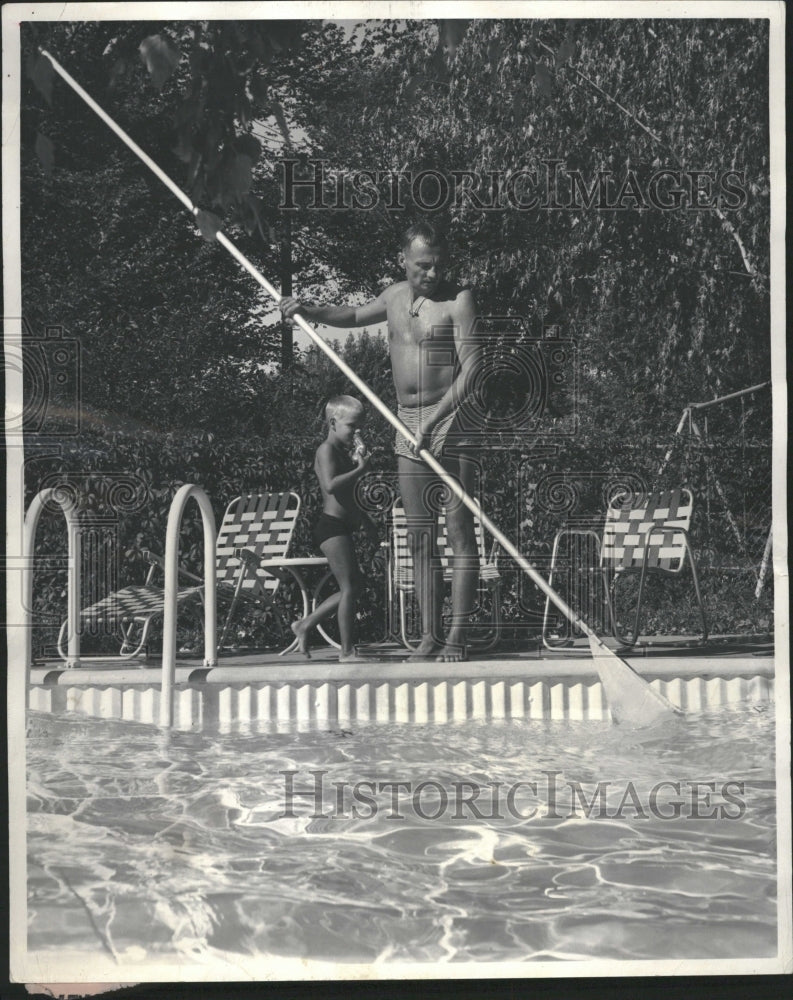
(665, 306)
(677, 298)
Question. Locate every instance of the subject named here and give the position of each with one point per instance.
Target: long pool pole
(612, 670)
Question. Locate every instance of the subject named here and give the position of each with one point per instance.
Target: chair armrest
(578, 531)
(581, 532)
(278, 564)
(248, 557)
(190, 576)
(155, 560)
(670, 526)
(254, 562)
(644, 548)
(281, 572)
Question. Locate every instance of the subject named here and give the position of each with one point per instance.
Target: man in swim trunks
(434, 350)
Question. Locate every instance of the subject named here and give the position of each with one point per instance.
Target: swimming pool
(513, 840)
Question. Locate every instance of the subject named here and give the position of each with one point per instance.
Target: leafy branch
(565, 58)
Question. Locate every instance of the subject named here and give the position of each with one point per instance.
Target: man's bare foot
(353, 657)
(452, 653)
(302, 638)
(425, 649)
(454, 648)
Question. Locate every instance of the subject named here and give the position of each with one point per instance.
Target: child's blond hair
(342, 406)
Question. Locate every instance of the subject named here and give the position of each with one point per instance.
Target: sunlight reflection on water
(474, 841)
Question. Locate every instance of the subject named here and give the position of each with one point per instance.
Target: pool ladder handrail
(171, 590)
(69, 504)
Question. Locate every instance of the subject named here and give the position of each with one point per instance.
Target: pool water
(458, 842)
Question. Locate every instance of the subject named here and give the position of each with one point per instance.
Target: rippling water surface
(468, 842)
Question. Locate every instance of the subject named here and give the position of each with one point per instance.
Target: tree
(167, 325)
(685, 291)
(665, 306)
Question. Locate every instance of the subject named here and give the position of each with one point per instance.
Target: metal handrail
(171, 591)
(687, 417)
(68, 505)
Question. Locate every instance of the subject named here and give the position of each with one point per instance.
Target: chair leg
(61, 637)
(392, 616)
(130, 648)
(697, 591)
(546, 641)
(232, 608)
(495, 597)
(611, 599)
(612, 606)
(570, 533)
(403, 623)
(492, 632)
(642, 581)
(644, 572)
(609, 583)
(126, 636)
(495, 628)
(277, 625)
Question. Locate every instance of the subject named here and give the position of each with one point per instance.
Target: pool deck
(254, 687)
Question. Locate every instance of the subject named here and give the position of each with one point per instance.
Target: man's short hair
(428, 233)
(342, 406)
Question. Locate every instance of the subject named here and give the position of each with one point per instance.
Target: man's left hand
(423, 439)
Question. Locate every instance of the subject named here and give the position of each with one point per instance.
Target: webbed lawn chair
(649, 536)
(251, 548)
(402, 584)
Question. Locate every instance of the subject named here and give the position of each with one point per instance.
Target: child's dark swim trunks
(328, 526)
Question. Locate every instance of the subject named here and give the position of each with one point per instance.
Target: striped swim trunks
(411, 417)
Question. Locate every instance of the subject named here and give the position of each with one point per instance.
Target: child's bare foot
(302, 638)
(425, 649)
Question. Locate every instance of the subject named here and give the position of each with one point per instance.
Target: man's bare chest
(411, 328)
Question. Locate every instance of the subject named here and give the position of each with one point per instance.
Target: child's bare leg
(303, 626)
(340, 554)
(301, 633)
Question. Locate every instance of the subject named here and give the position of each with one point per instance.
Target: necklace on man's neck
(413, 309)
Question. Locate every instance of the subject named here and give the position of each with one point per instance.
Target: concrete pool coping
(666, 657)
(284, 691)
(244, 669)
